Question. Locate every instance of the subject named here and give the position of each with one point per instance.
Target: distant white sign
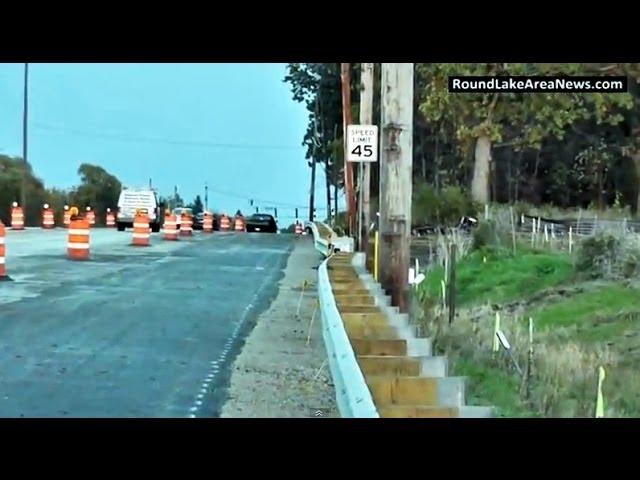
(362, 143)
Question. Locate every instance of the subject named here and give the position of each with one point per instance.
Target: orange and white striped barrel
(66, 218)
(299, 229)
(91, 217)
(186, 225)
(141, 230)
(225, 223)
(3, 252)
(48, 221)
(207, 223)
(78, 244)
(111, 219)
(170, 228)
(239, 224)
(17, 218)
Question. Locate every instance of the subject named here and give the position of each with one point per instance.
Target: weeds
(584, 306)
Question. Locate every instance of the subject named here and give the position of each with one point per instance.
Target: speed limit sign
(362, 143)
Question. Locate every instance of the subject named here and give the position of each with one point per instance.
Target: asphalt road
(135, 331)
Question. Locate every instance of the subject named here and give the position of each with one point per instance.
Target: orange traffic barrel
(239, 225)
(48, 221)
(299, 229)
(3, 252)
(207, 223)
(67, 216)
(17, 217)
(170, 228)
(141, 230)
(78, 245)
(91, 217)
(186, 225)
(111, 219)
(225, 223)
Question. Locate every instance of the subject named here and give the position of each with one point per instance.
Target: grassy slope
(603, 313)
(490, 275)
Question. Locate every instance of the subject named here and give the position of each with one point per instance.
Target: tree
(98, 189)
(11, 170)
(482, 119)
(196, 206)
(318, 86)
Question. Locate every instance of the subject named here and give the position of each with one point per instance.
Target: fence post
(452, 283)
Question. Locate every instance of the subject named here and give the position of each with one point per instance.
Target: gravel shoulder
(277, 374)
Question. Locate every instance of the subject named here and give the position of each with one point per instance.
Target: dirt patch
(278, 374)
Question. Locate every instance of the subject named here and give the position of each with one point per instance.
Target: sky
(232, 126)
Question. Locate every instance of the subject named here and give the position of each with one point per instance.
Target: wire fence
(425, 240)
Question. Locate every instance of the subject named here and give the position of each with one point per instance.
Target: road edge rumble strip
(380, 366)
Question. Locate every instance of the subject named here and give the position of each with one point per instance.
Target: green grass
(492, 386)
(599, 320)
(503, 277)
(600, 313)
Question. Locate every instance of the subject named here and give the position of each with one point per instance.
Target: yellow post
(376, 240)
(496, 328)
(600, 397)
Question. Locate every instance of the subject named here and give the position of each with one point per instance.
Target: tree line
(97, 188)
(564, 149)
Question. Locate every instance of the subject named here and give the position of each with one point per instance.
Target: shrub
(607, 255)
(443, 209)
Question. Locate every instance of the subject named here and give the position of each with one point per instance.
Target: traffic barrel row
(48, 217)
(239, 224)
(79, 231)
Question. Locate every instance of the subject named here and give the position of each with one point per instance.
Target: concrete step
(374, 332)
(412, 347)
(476, 412)
(344, 282)
(349, 299)
(381, 366)
(341, 289)
(359, 309)
(418, 411)
(377, 318)
(428, 391)
(401, 322)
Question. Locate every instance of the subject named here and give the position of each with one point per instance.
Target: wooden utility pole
(396, 162)
(345, 77)
(316, 144)
(366, 118)
(25, 116)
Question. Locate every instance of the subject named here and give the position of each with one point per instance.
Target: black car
(198, 221)
(261, 222)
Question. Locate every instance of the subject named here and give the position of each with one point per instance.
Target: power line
(124, 138)
(260, 200)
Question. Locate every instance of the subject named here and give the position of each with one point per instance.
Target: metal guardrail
(352, 393)
(322, 245)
